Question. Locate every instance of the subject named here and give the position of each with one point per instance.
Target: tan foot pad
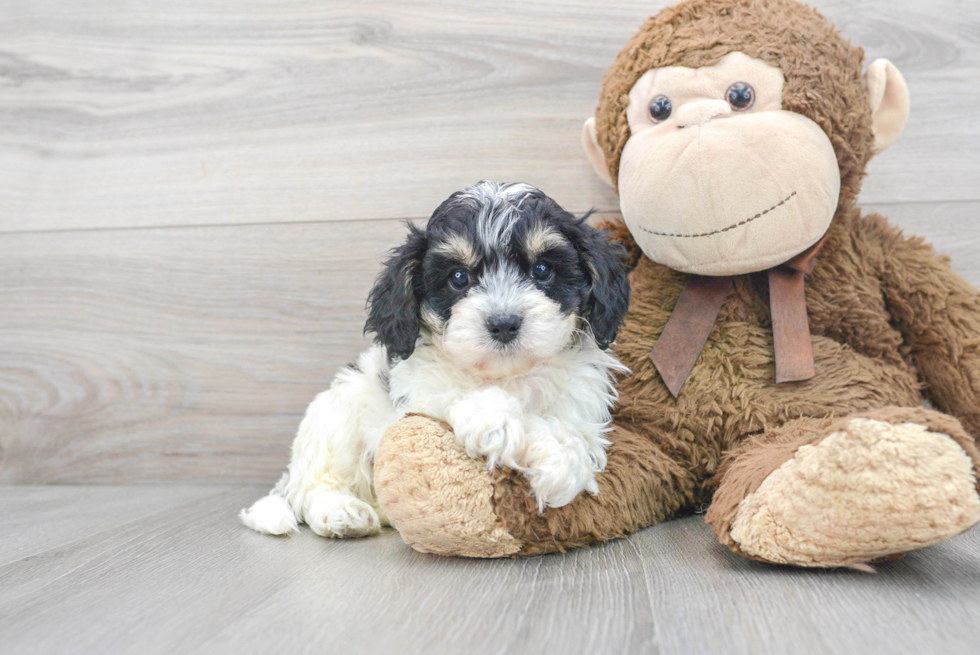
(870, 490)
(437, 497)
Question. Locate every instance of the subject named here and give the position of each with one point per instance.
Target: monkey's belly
(731, 394)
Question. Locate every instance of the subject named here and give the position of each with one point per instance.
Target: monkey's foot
(869, 489)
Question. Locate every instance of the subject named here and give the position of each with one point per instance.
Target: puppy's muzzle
(504, 328)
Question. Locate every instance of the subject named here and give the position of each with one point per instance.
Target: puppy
(495, 319)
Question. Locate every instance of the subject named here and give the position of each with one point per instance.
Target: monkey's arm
(938, 313)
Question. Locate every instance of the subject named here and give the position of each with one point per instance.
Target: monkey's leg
(444, 502)
(839, 492)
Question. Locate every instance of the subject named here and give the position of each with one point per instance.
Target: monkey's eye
(542, 272)
(660, 109)
(740, 96)
(459, 280)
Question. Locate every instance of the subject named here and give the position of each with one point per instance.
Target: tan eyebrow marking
(540, 239)
(724, 229)
(459, 249)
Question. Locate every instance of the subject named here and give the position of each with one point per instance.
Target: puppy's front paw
(336, 514)
(558, 472)
(489, 424)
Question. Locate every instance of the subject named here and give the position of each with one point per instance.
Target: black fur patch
(393, 303)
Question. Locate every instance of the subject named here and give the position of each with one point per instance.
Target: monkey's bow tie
(689, 325)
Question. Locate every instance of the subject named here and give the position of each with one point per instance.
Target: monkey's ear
(889, 97)
(592, 150)
(393, 306)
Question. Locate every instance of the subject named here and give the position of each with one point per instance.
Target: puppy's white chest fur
(426, 383)
(548, 422)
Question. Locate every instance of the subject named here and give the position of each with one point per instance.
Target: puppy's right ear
(393, 304)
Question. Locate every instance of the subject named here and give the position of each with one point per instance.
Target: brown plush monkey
(778, 339)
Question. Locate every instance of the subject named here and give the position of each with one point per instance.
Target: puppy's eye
(459, 280)
(740, 96)
(542, 272)
(660, 109)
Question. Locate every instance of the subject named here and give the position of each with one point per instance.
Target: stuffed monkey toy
(780, 342)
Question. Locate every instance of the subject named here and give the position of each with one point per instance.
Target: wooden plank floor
(170, 570)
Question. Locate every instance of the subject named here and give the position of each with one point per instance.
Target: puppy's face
(503, 278)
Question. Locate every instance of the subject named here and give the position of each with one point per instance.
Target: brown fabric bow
(689, 325)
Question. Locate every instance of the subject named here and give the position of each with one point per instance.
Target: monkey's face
(716, 178)
(731, 162)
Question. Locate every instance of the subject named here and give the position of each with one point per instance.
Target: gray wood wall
(195, 195)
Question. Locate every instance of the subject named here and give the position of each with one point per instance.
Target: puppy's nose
(504, 328)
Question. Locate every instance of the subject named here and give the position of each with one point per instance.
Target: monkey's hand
(938, 313)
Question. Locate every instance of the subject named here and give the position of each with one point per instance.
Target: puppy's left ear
(609, 296)
(393, 304)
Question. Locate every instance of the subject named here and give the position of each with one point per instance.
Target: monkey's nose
(504, 328)
(702, 111)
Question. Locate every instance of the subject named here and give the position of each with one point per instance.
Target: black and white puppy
(496, 319)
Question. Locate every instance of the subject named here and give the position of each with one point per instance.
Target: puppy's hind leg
(331, 474)
(330, 513)
(272, 514)
(335, 513)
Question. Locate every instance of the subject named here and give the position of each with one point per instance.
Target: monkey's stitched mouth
(724, 229)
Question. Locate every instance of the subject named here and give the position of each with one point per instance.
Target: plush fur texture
(889, 320)
(495, 318)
